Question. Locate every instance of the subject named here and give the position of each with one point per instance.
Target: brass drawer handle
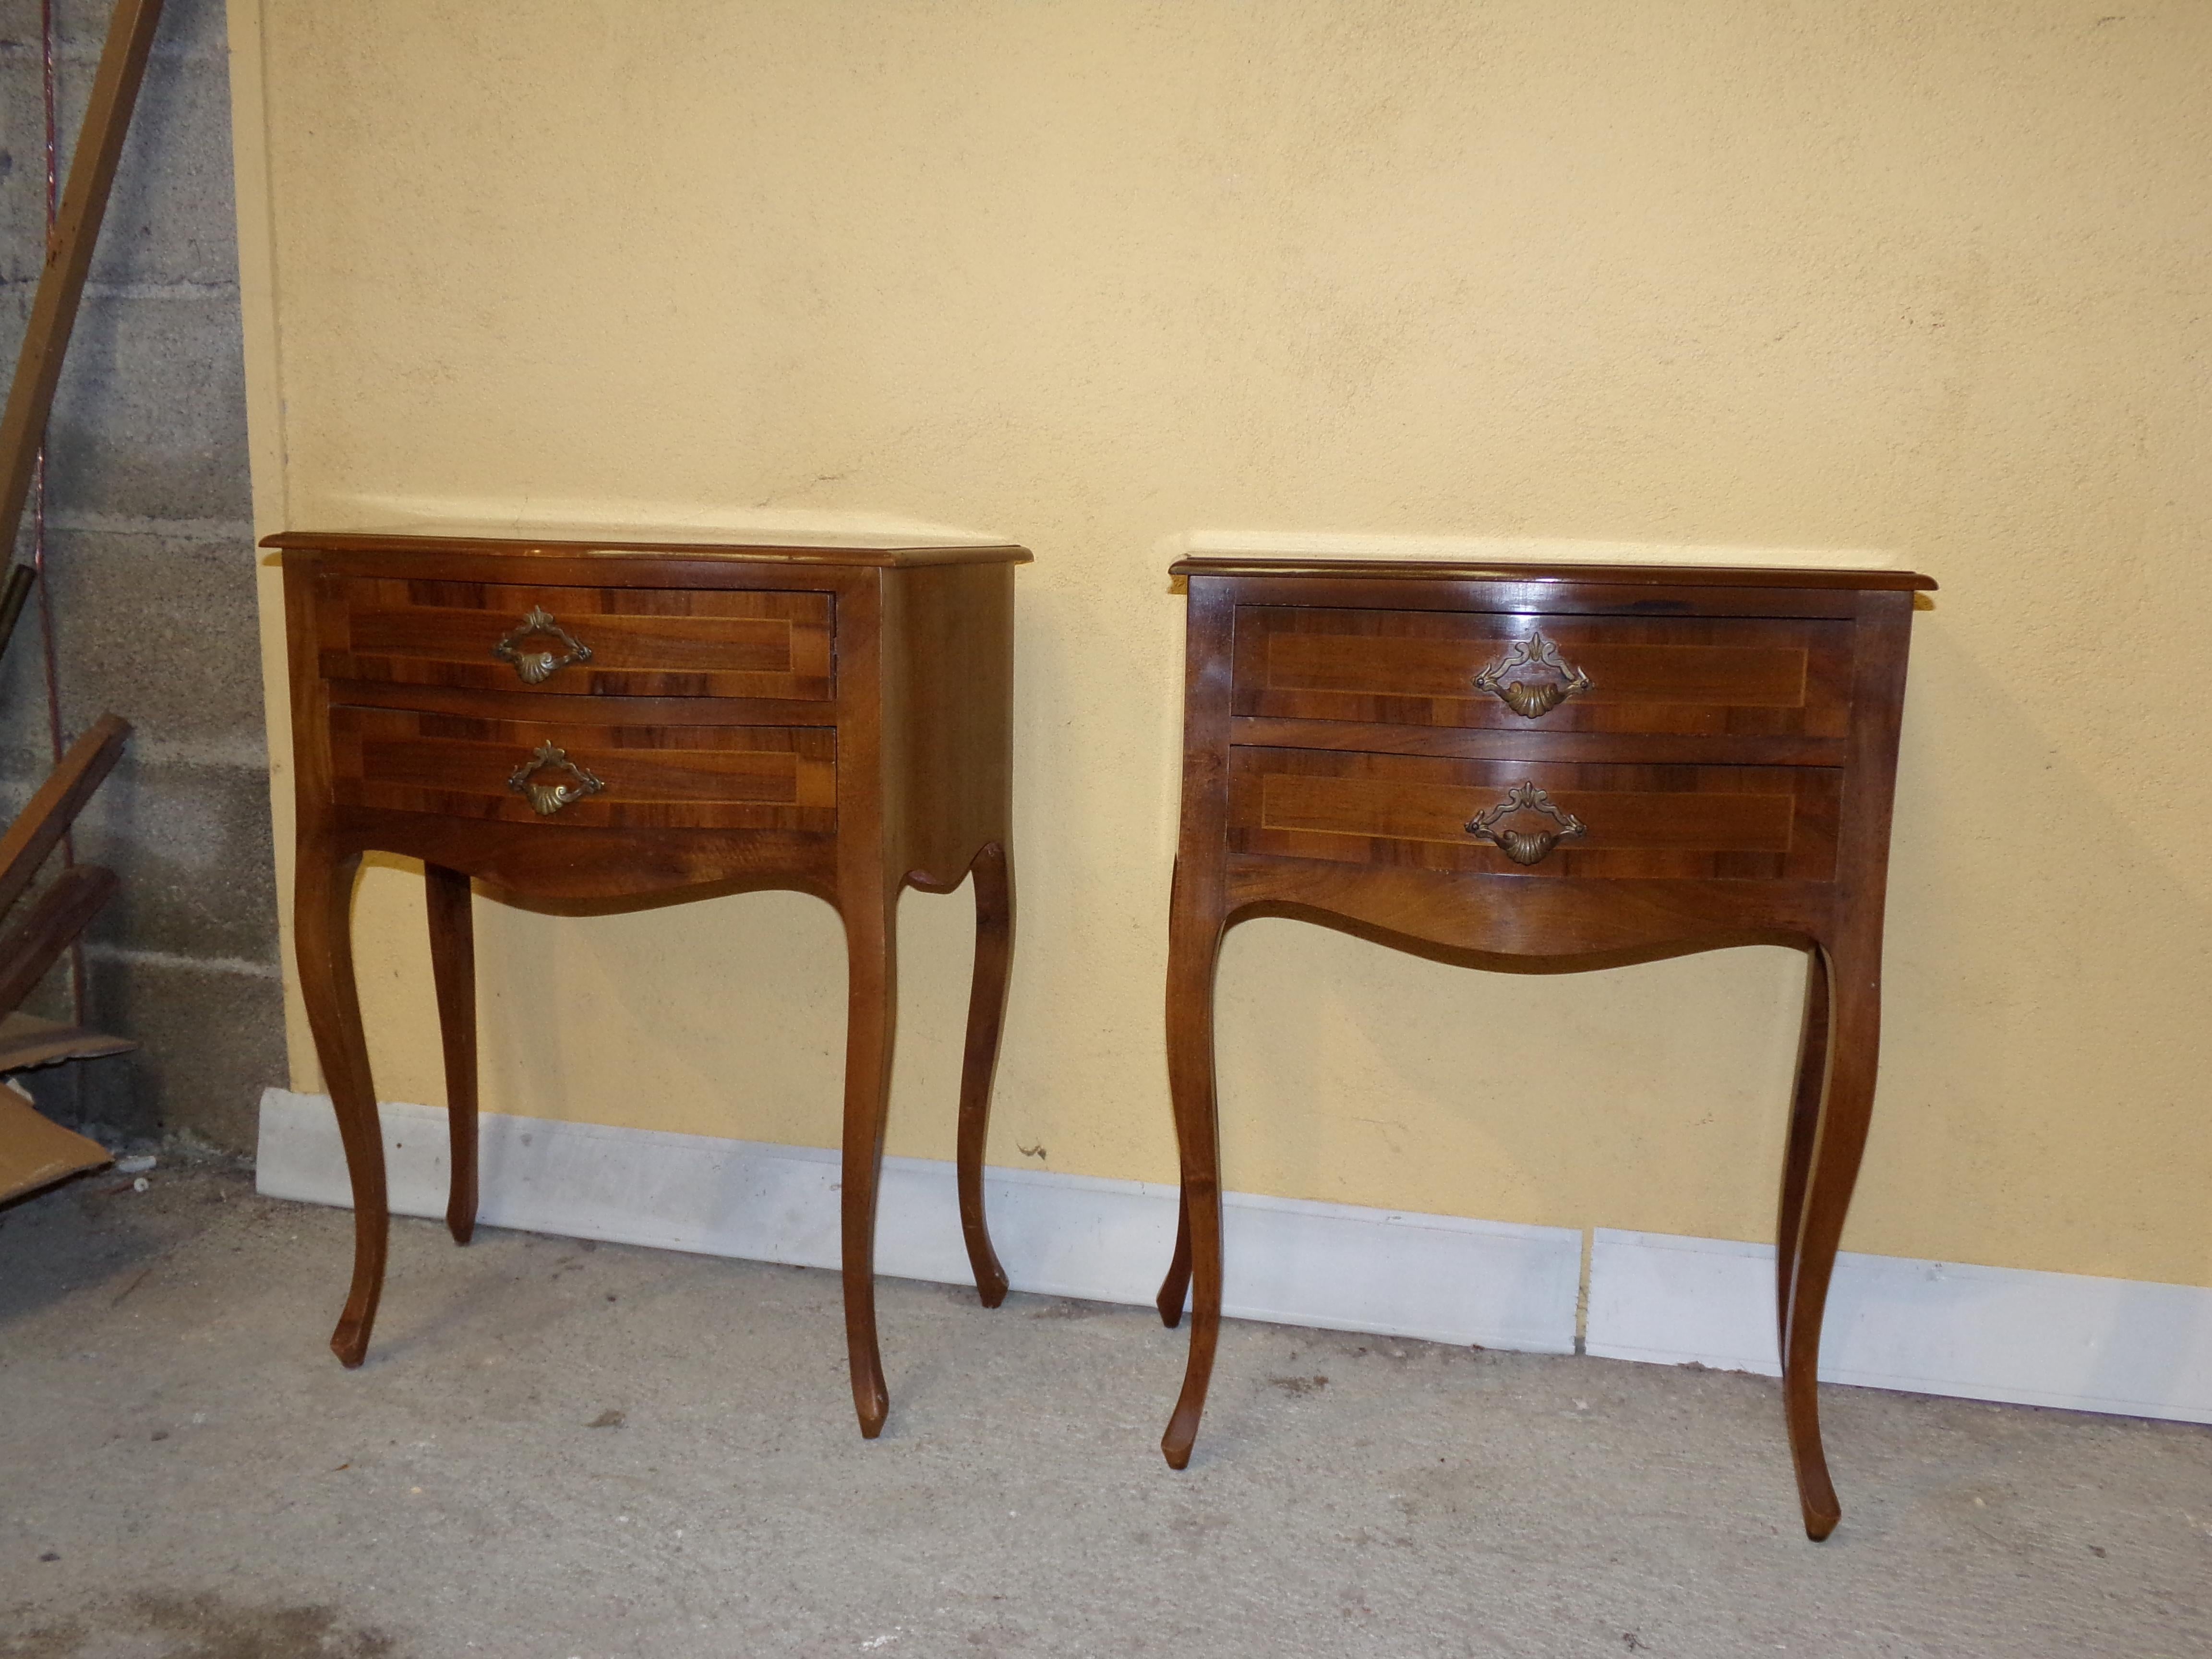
(1529, 698)
(538, 666)
(1524, 846)
(547, 799)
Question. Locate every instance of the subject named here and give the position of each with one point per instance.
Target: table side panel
(949, 687)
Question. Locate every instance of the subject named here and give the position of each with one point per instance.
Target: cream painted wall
(1931, 280)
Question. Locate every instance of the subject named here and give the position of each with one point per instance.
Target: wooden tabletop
(585, 542)
(1667, 575)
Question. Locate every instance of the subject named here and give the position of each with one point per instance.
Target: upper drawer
(1720, 676)
(621, 641)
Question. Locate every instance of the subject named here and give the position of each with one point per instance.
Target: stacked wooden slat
(32, 1151)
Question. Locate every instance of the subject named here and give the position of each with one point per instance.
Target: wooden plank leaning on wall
(58, 914)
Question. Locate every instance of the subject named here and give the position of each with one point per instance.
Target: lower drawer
(626, 777)
(1515, 817)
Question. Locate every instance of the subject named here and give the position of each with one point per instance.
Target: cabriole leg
(870, 1010)
(453, 972)
(1194, 946)
(1804, 1120)
(994, 874)
(1174, 1289)
(323, 933)
(1839, 1139)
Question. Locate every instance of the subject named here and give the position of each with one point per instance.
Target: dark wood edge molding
(889, 555)
(1641, 575)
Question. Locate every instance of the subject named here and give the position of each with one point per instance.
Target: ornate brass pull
(547, 799)
(1530, 697)
(538, 666)
(1524, 846)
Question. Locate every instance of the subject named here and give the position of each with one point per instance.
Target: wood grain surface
(1693, 676)
(1694, 822)
(836, 721)
(643, 641)
(1686, 760)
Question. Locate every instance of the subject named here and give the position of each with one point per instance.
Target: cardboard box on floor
(35, 1151)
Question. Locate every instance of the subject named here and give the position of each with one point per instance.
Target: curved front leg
(871, 945)
(1194, 946)
(1839, 1139)
(993, 873)
(323, 937)
(453, 972)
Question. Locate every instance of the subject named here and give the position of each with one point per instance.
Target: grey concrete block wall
(150, 559)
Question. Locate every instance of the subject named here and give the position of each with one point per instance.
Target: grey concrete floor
(557, 1451)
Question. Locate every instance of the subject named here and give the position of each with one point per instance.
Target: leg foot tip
(350, 1350)
(463, 1231)
(872, 1410)
(1178, 1456)
(1173, 1294)
(1818, 1527)
(991, 1287)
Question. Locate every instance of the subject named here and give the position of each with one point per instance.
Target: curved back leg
(994, 874)
(1193, 948)
(1174, 1289)
(323, 937)
(1839, 1139)
(453, 971)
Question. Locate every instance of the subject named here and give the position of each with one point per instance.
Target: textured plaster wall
(151, 562)
(1936, 281)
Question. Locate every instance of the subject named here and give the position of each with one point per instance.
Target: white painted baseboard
(1328, 1265)
(2041, 1339)
(2035, 1338)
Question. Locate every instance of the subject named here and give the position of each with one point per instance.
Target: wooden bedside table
(1543, 768)
(598, 724)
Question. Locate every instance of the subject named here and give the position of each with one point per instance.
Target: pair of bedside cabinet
(1535, 768)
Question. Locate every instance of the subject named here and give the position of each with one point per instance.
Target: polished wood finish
(643, 642)
(656, 777)
(1692, 678)
(1709, 761)
(454, 976)
(993, 875)
(1684, 822)
(434, 547)
(835, 720)
(1626, 586)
